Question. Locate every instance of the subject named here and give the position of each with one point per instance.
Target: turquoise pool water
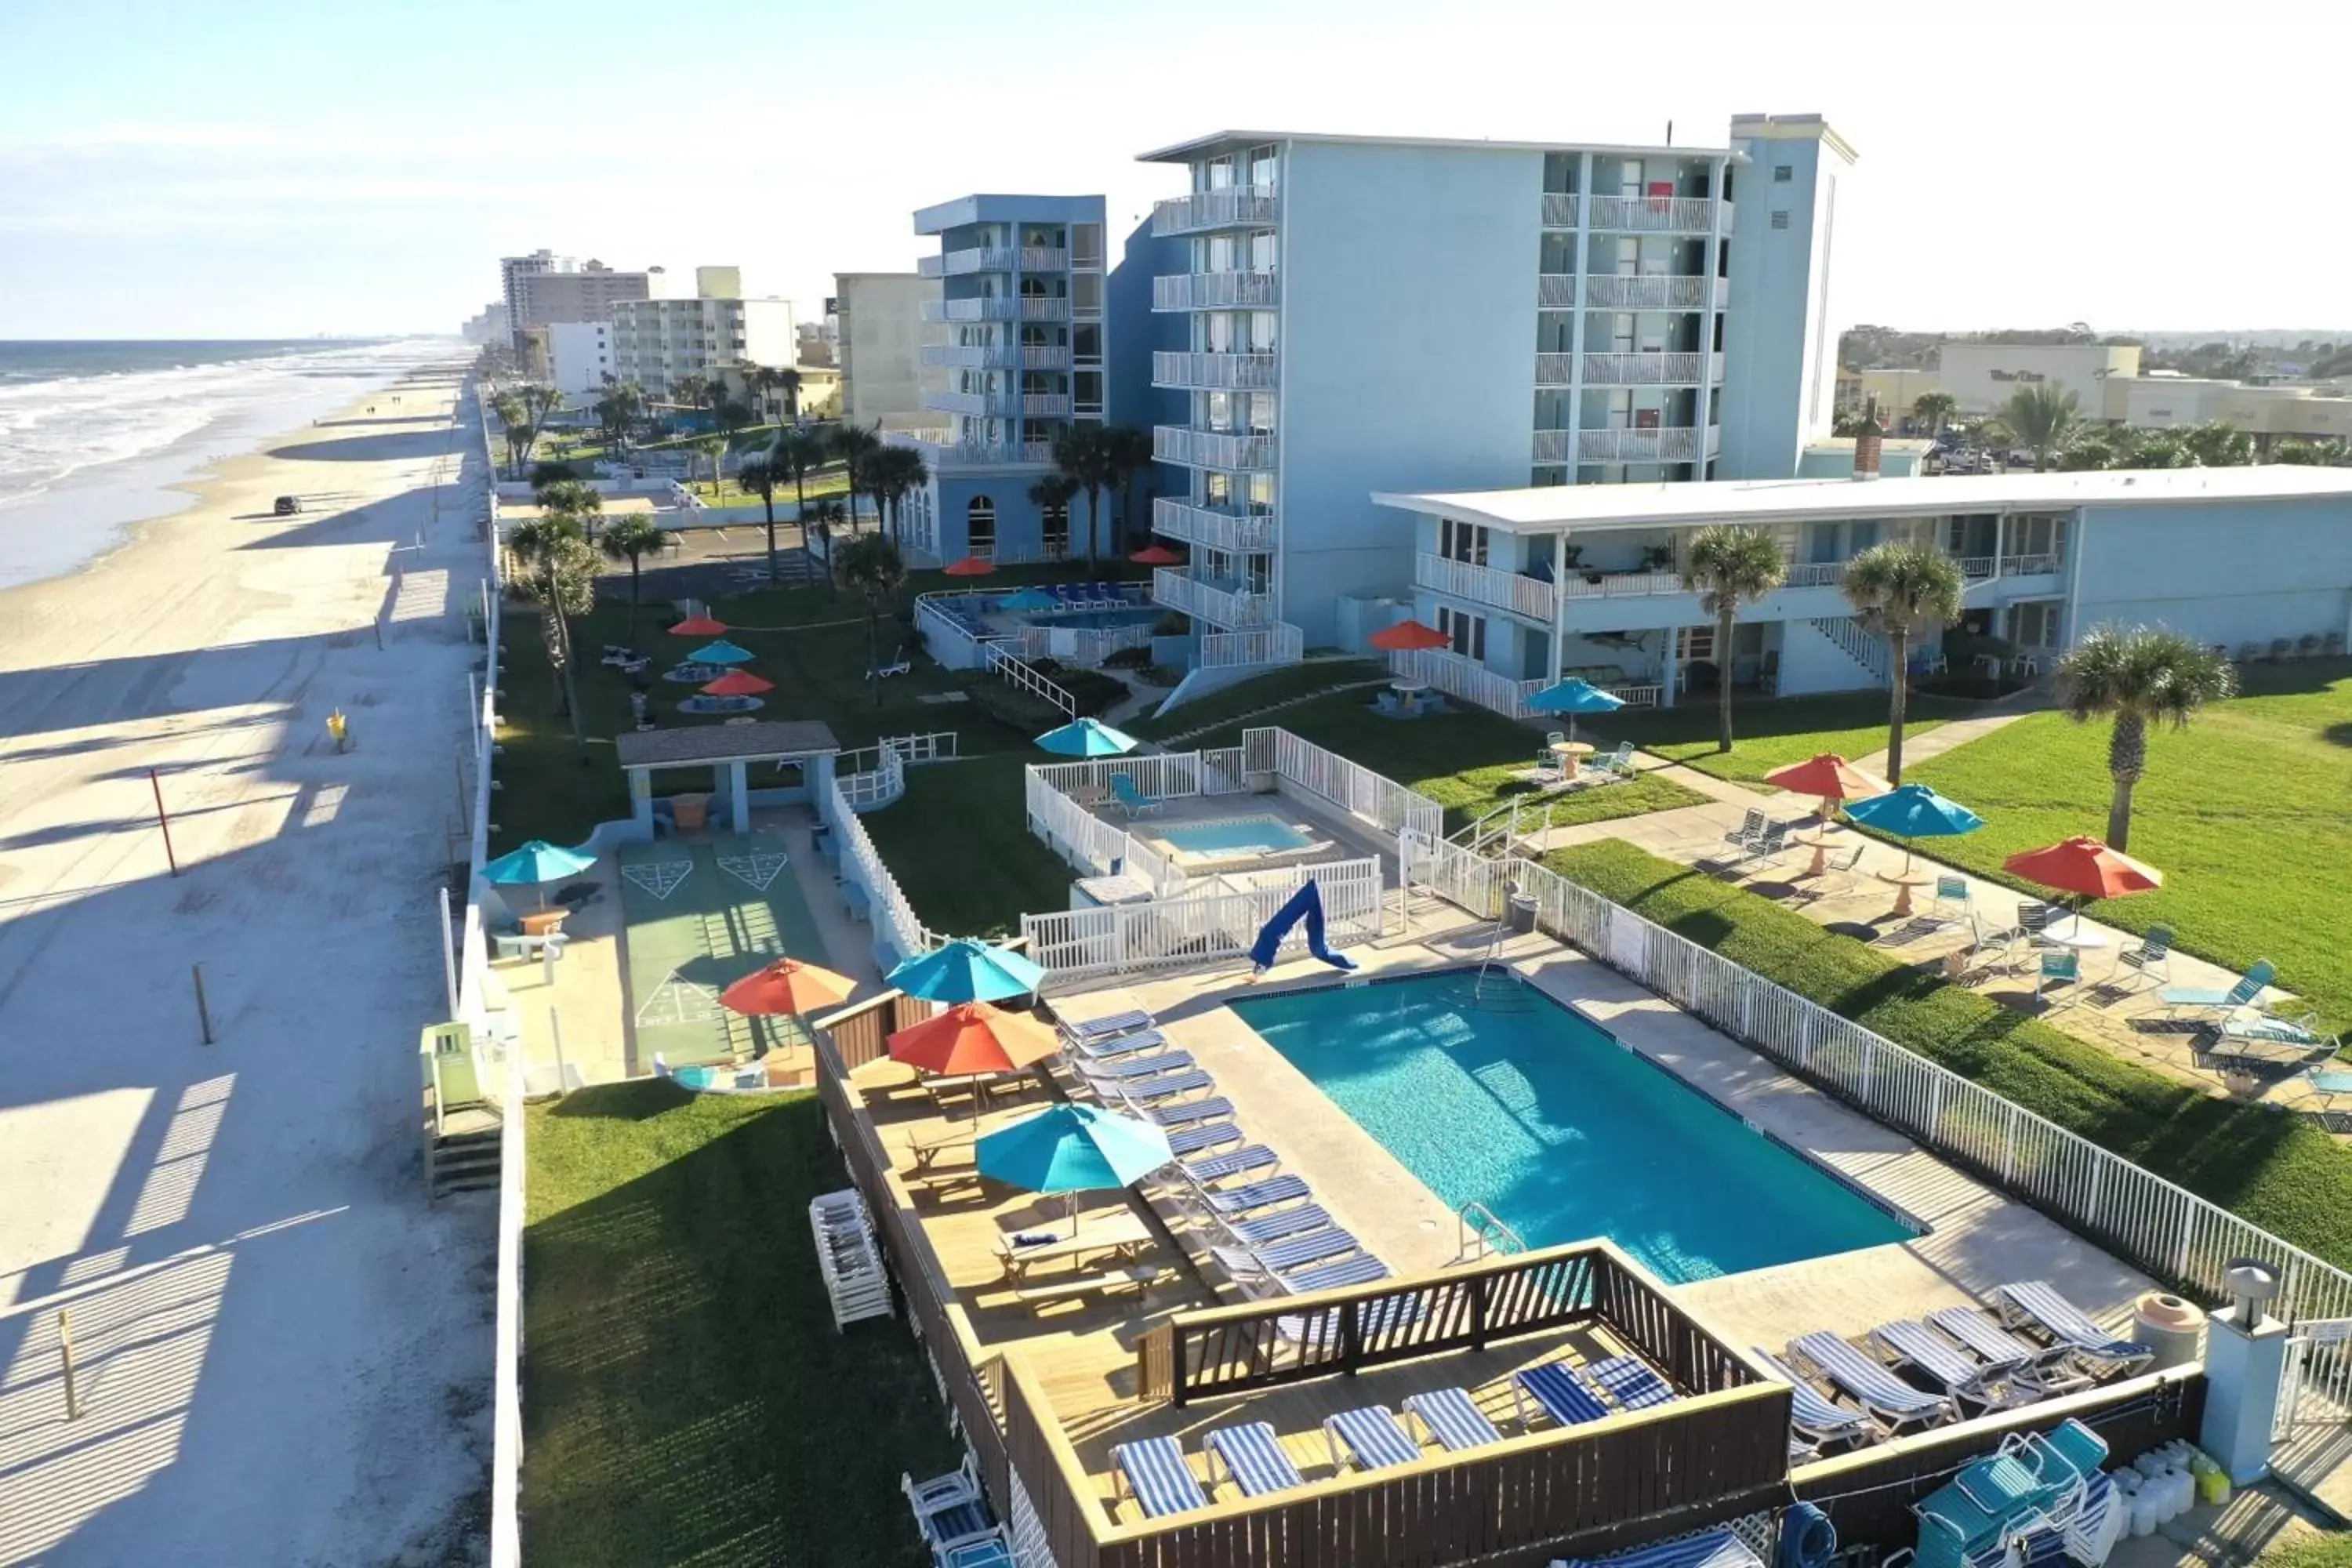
(1132, 615)
(1508, 1098)
(1235, 836)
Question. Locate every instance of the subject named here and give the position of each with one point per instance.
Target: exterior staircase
(1866, 648)
(465, 1161)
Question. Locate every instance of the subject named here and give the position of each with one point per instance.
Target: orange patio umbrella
(1407, 637)
(974, 1037)
(697, 627)
(787, 985)
(971, 566)
(1830, 777)
(1156, 556)
(738, 683)
(2087, 867)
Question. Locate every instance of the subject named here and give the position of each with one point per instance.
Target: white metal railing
(1812, 574)
(1046, 258)
(1672, 444)
(1865, 648)
(1280, 643)
(1654, 292)
(956, 263)
(1087, 645)
(1974, 568)
(1555, 370)
(1655, 215)
(1623, 586)
(1227, 608)
(873, 779)
(1204, 928)
(1466, 678)
(1002, 661)
(1215, 372)
(997, 356)
(1300, 766)
(1241, 533)
(2033, 565)
(1512, 591)
(1650, 369)
(2151, 1223)
(1211, 448)
(862, 864)
(1216, 291)
(940, 447)
(1232, 208)
(999, 307)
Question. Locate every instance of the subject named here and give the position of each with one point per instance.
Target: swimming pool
(1225, 836)
(1501, 1095)
(1132, 615)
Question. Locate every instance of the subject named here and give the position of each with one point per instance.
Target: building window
(1054, 522)
(1780, 219)
(1086, 245)
(1467, 631)
(1465, 541)
(979, 528)
(1782, 174)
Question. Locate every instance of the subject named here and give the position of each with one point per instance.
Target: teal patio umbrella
(967, 970)
(1914, 811)
(1086, 737)
(1572, 696)
(1027, 599)
(719, 652)
(536, 863)
(1072, 1149)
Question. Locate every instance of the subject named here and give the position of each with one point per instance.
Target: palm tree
(689, 391)
(2043, 419)
(854, 444)
(576, 503)
(1081, 453)
(1129, 453)
(561, 581)
(1728, 565)
(2217, 444)
(1896, 589)
(2138, 674)
(761, 477)
(1932, 409)
(618, 408)
(896, 472)
(1053, 490)
(794, 454)
(768, 379)
(871, 564)
(513, 418)
(2155, 450)
(819, 519)
(713, 447)
(628, 539)
(2304, 450)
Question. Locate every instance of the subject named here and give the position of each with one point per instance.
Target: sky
(256, 168)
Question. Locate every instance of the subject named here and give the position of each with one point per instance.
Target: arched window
(979, 528)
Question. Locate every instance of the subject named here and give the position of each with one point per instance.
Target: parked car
(287, 506)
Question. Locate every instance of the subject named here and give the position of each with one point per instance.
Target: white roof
(1201, 146)
(1554, 507)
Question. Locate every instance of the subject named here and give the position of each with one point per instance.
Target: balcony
(1215, 372)
(993, 258)
(1674, 444)
(1192, 449)
(1635, 214)
(1229, 606)
(999, 307)
(1235, 206)
(1001, 404)
(996, 356)
(941, 449)
(1521, 595)
(1213, 528)
(1216, 291)
(1649, 369)
(1653, 292)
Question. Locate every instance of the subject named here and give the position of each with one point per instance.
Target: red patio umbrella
(1833, 779)
(697, 627)
(974, 1037)
(971, 566)
(787, 985)
(738, 683)
(1156, 556)
(2084, 865)
(1407, 637)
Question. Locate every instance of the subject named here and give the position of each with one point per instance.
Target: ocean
(94, 434)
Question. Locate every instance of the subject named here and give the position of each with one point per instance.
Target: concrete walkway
(1934, 743)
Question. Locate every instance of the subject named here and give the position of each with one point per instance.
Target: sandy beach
(283, 1350)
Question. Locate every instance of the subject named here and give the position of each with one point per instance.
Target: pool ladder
(1474, 1222)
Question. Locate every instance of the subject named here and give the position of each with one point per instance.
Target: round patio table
(1410, 691)
(1903, 881)
(1820, 845)
(1571, 755)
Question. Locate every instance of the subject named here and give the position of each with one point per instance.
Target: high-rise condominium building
(658, 343)
(587, 294)
(880, 342)
(1364, 313)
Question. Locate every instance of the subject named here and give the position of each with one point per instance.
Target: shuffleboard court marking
(676, 1001)
(659, 879)
(757, 868)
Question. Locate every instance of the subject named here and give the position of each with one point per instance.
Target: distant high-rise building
(658, 343)
(587, 294)
(512, 271)
(883, 349)
(488, 327)
(719, 283)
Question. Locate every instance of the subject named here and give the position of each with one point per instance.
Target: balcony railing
(1235, 206)
(1215, 372)
(1623, 586)
(1635, 214)
(1677, 444)
(1001, 404)
(993, 258)
(996, 356)
(2033, 565)
(1510, 591)
(1226, 607)
(1216, 291)
(1654, 369)
(999, 307)
(1656, 292)
(941, 448)
(1211, 450)
(1208, 526)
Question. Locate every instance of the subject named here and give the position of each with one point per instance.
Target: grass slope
(2248, 813)
(686, 1398)
(2277, 1170)
(959, 842)
(1245, 697)
(1772, 732)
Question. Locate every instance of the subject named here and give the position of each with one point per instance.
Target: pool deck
(1979, 1238)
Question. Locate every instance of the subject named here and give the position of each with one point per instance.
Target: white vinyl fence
(862, 864)
(1303, 768)
(1098, 848)
(1202, 928)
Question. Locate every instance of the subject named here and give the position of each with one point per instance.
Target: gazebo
(728, 750)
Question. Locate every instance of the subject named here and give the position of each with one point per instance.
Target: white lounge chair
(1156, 1473)
(2037, 1302)
(1891, 1402)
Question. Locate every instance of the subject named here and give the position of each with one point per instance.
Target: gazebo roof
(704, 744)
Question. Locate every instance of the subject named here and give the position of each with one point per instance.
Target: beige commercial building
(1983, 376)
(882, 339)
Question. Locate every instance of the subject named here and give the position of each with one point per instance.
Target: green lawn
(687, 1399)
(2248, 813)
(1241, 697)
(1773, 731)
(1463, 759)
(961, 847)
(2278, 1171)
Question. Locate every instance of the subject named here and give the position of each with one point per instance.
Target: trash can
(2173, 1326)
(1522, 913)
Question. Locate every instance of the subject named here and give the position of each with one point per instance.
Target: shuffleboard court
(700, 914)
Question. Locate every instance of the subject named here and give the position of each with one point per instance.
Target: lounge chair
(1145, 1093)
(2327, 1081)
(1111, 1048)
(2064, 967)
(2037, 1302)
(1122, 1069)
(2043, 1368)
(989, 1550)
(1449, 1419)
(1910, 1343)
(2180, 999)
(1560, 1392)
(2267, 1037)
(1370, 1438)
(948, 1509)
(1322, 1273)
(1252, 1457)
(1814, 1418)
(1202, 1137)
(1239, 1203)
(1892, 1402)
(1302, 1219)
(1155, 1471)
(2150, 958)
(1630, 1383)
(900, 664)
(1361, 1270)
(1132, 800)
(1110, 1027)
(1206, 1169)
(1293, 1253)
(1184, 1115)
(1715, 1548)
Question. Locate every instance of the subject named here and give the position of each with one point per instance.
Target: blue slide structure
(1306, 904)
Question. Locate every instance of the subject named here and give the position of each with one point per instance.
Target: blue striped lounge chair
(957, 1489)
(1202, 1137)
(1449, 1419)
(1110, 1027)
(1710, 1549)
(1299, 1219)
(1111, 1048)
(1155, 1471)
(1252, 1198)
(1293, 1253)
(1630, 1383)
(989, 1550)
(1149, 1091)
(1252, 1457)
(2037, 1302)
(1815, 1420)
(1209, 1169)
(1192, 1111)
(2177, 999)
(1138, 1067)
(1911, 1344)
(2043, 1368)
(1891, 1402)
(1369, 1437)
(1560, 1392)
(1362, 1269)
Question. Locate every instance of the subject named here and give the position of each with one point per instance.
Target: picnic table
(1123, 1234)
